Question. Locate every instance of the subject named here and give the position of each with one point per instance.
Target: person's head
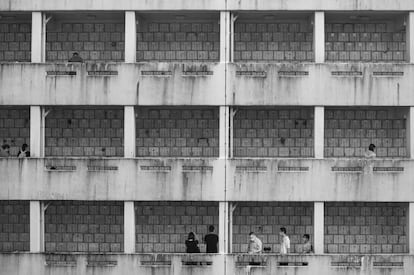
(5, 147)
(371, 147)
(252, 236)
(191, 235)
(211, 228)
(75, 54)
(305, 238)
(24, 146)
(282, 231)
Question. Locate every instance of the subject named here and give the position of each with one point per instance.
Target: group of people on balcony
(23, 151)
(255, 244)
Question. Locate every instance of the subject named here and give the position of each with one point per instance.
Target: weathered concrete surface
(195, 179)
(174, 264)
(320, 87)
(171, 264)
(29, 84)
(135, 179)
(260, 180)
(28, 5)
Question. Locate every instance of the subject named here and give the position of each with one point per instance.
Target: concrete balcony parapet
(183, 264)
(172, 179)
(112, 84)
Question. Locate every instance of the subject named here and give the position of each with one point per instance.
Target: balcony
(320, 84)
(205, 264)
(112, 179)
(207, 179)
(112, 84)
(380, 84)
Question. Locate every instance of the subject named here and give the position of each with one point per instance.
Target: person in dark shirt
(191, 244)
(23, 152)
(75, 58)
(211, 240)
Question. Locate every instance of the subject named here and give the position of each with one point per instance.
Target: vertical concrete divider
(130, 37)
(37, 128)
(224, 36)
(223, 227)
(411, 228)
(318, 224)
(319, 36)
(410, 37)
(36, 227)
(38, 50)
(410, 132)
(319, 121)
(129, 132)
(129, 227)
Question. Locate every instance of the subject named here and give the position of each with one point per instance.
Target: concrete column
(224, 132)
(38, 37)
(410, 37)
(130, 37)
(225, 36)
(36, 132)
(223, 227)
(129, 132)
(129, 227)
(319, 122)
(411, 227)
(36, 226)
(318, 224)
(319, 36)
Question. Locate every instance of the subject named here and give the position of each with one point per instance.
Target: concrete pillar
(37, 226)
(129, 227)
(129, 132)
(411, 227)
(410, 37)
(319, 36)
(224, 132)
(318, 224)
(319, 122)
(223, 227)
(225, 36)
(130, 37)
(37, 128)
(38, 49)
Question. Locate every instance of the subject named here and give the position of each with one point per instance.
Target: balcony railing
(182, 264)
(207, 179)
(205, 84)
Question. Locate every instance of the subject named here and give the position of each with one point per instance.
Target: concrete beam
(129, 227)
(36, 132)
(129, 132)
(225, 36)
(224, 132)
(319, 121)
(36, 226)
(319, 36)
(130, 37)
(38, 50)
(318, 225)
(410, 37)
(223, 227)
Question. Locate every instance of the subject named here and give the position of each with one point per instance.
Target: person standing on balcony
(75, 58)
(307, 246)
(23, 152)
(370, 152)
(5, 151)
(211, 240)
(255, 244)
(285, 242)
(191, 244)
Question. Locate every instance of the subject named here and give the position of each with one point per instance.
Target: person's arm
(287, 245)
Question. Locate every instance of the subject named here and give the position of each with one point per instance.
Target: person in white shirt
(255, 244)
(370, 152)
(285, 242)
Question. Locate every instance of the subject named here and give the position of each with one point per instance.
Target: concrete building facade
(244, 115)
